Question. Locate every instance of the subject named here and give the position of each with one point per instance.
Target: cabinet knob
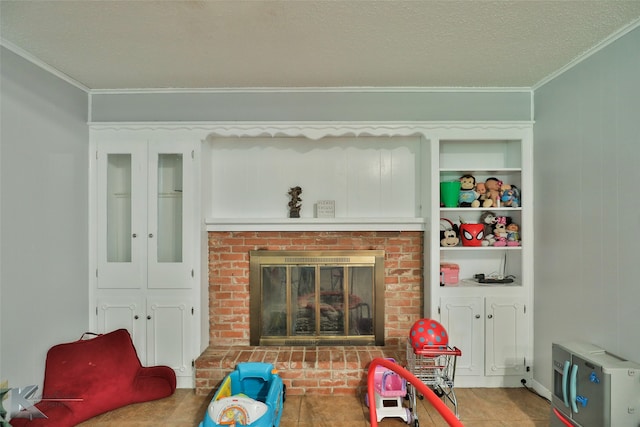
(148, 317)
(150, 235)
(477, 316)
(136, 317)
(490, 316)
(134, 235)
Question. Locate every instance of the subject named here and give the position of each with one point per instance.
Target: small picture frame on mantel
(326, 209)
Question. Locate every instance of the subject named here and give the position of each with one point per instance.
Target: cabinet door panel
(123, 313)
(168, 326)
(121, 214)
(507, 337)
(171, 197)
(462, 318)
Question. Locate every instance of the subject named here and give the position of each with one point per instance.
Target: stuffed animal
(449, 233)
(500, 231)
(493, 185)
(467, 191)
(483, 200)
(449, 237)
(510, 196)
(513, 234)
(488, 219)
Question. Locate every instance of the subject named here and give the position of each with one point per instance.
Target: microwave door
(561, 375)
(587, 391)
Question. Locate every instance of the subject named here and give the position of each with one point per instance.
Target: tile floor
(478, 407)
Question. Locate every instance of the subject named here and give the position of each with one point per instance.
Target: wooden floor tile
(478, 407)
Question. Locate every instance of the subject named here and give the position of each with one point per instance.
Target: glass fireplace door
(316, 303)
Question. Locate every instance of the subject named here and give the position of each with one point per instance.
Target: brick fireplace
(306, 369)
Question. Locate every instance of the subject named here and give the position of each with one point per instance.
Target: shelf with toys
(482, 228)
(481, 284)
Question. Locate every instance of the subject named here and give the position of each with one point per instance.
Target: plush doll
(449, 237)
(482, 200)
(500, 231)
(510, 196)
(513, 234)
(493, 185)
(467, 191)
(488, 219)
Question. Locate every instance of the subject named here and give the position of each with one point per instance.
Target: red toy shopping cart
(435, 366)
(432, 360)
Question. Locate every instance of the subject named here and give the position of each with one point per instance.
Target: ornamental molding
(316, 130)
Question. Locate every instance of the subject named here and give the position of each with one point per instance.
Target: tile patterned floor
(478, 407)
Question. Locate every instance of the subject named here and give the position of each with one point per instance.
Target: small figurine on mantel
(294, 204)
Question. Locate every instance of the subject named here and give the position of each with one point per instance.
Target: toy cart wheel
(416, 423)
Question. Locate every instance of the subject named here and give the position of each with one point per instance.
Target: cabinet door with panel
(507, 336)
(169, 322)
(124, 312)
(462, 317)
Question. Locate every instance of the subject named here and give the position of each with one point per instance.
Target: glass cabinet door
(121, 222)
(170, 204)
(145, 218)
(118, 207)
(169, 198)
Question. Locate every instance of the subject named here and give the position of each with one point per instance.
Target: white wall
(44, 218)
(366, 176)
(312, 105)
(587, 216)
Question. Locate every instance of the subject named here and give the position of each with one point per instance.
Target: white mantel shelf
(315, 224)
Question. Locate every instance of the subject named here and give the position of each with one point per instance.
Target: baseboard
(185, 382)
(541, 390)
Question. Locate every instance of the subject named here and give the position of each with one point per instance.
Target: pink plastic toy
(390, 389)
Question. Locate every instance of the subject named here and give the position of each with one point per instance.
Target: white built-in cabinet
(146, 245)
(491, 323)
(152, 205)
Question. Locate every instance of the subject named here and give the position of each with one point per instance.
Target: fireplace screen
(317, 297)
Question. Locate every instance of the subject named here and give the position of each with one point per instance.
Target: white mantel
(315, 224)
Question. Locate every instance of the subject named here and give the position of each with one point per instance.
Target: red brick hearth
(306, 370)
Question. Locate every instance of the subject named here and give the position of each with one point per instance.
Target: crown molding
(588, 53)
(257, 90)
(39, 63)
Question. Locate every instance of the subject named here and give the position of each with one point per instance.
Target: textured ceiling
(251, 44)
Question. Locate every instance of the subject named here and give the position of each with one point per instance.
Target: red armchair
(86, 378)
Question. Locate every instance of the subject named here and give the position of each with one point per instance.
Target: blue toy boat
(252, 395)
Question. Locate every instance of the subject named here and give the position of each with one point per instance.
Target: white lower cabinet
(491, 330)
(159, 326)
